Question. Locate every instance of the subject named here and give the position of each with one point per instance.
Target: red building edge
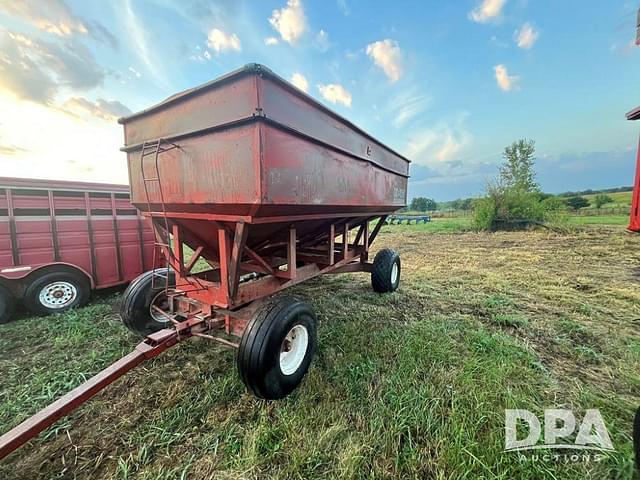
(634, 217)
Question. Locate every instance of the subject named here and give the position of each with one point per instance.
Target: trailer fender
(13, 276)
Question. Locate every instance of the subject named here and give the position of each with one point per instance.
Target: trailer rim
(58, 295)
(293, 350)
(159, 301)
(394, 273)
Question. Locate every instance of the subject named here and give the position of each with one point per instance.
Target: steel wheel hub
(162, 302)
(394, 273)
(293, 350)
(58, 295)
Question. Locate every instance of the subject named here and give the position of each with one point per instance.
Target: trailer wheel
(56, 292)
(277, 347)
(7, 304)
(385, 276)
(138, 299)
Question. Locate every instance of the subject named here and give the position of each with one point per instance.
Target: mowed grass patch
(408, 385)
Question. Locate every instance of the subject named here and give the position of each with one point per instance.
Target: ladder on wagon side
(161, 235)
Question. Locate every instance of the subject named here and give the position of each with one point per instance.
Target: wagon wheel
(277, 347)
(138, 301)
(385, 275)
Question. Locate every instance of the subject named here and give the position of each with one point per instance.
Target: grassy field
(408, 385)
(619, 199)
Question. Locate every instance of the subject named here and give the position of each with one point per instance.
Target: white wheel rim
(394, 273)
(58, 295)
(160, 301)
(293, 349)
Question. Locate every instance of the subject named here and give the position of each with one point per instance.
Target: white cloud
(300, 81)
(438, 147)
(135, 73)
(343, 7)
(37, 70)
(322, 41)
(526, 36)
(487, 10)
(387, 55)
(109, 110)
(139, 42)
(505, 81)
(289, 21)
(335, 93)
(52, 16)
(271, 41)
(59, 150)
(407, 105)
(221, 41)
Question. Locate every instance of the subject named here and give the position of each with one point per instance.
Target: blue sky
(449, 84)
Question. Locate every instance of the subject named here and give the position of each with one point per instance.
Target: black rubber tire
(7, 304)
(31, 298)
(135, 306)
(636, 438)
(381, 275)
(259, 352)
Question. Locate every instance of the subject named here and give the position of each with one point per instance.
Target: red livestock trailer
(268, 188)
(59, 240)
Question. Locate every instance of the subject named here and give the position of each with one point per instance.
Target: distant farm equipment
(407, 219)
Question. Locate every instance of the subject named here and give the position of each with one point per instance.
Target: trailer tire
(137, 299)
(56, 291)
(277, 347)
(7, 304)
(385, 275)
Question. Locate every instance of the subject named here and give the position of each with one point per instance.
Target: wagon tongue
(151, 347)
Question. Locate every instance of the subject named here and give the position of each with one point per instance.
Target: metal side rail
(151, 347)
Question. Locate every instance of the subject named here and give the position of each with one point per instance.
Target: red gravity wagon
(252, 186)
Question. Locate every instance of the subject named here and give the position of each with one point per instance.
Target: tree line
(516, 182)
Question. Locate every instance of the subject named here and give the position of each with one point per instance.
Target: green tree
(422, 204)
(517, 170)
(466, 204)
(577, 202)
(602, 199)
(514, 198)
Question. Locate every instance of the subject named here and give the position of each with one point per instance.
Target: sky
(448, 84)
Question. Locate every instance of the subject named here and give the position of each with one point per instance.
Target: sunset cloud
(36, 70)
(300, 81)
(222, 42)
(439, 145)
(109, 110)
(387, 55)
(335, 93)
(526, 36)
(487, 11)
(505, 81)
(290, 21)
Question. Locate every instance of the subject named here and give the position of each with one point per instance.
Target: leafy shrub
(576, 203)
(514, 199)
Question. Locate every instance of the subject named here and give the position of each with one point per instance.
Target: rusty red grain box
(253, 144)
